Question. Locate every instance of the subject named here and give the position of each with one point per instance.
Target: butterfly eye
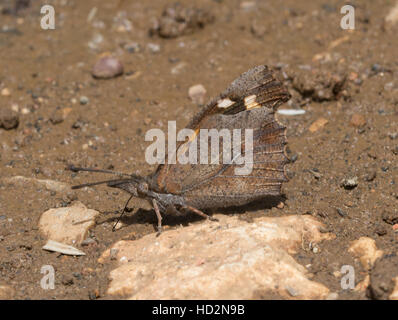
(143, 188)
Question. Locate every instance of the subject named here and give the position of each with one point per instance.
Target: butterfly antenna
(79, 186)
(124, 210)
(78, 169)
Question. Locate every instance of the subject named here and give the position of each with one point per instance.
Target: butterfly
(249, 103)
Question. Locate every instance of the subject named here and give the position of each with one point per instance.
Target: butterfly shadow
(143, 216)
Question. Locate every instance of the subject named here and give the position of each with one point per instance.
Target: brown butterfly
(248, 103)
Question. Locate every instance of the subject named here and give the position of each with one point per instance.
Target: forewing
(248, 103)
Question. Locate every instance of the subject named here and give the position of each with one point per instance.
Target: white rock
(68, 225)
(62, 248)
(197, 93)
(230, 259)
(365, 249)
(153, 47)
(291, 112)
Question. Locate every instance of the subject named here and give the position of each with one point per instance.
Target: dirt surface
(55, 113)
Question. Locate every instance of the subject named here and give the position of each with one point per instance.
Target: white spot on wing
(250, 102)
(225, 103)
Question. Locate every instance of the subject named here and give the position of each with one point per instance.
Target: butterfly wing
(248, 103)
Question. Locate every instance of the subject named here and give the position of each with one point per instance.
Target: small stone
(113, 253)
(248, 5)
(57, 117)
(332, 296)
(257, 29)
(178, 68)
(153, 47)
(197, 94)
(380, 231)
(177, 20)
(395, 150)
(393, 135)
(357, 120)
(88, 241)
(8, 119)
(84, 100)
(96, 41)
(365, 249)
(5, 92)
(68, 225)
(390, 217)
(349, 183)
(107, 67)
(63, 248)
(280, 205)
(370, 176)
(341, 212)
(25, 111)
(132, 47)
(318, 124)
(94, 294)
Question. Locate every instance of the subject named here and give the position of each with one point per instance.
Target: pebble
(113, 253)
(57, 116)
(350, 183)
(5, 92)
(280, 205)
(84, 100)
(95, 41)
(370, 176)
(341, 212)
(178, 68)
(132, 47)
(8, 119)
(291, 112)
(62, 248)
(197, 93)
(107, 67)
(332, 296)
(318, 124)
(248, 5)
(393, 135)
(257, 29)
(94, 294)
(357, 120)
(88, 241)
(153, 47)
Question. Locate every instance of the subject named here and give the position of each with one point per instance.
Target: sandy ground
(332, 74)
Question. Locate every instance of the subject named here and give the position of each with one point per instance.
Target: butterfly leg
(158, 215)
(124, 210)
(200, 213)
